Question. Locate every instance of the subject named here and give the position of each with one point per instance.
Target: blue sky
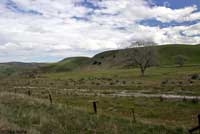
(48, 31)
(174, 4)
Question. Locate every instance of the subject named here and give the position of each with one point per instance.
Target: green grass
(67, 64)
(118, 59)
(37, 116)
(16, 68)
(151, 73)
(167, 53)
(74, 91)
(152, 111)
(71, 89)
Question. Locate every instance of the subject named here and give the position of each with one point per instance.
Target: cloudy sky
(49, 30)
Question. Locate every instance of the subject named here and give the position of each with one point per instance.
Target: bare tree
(144, 56)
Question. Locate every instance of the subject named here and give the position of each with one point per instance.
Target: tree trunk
(142, 71)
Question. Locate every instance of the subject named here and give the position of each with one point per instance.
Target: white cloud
(54, 33)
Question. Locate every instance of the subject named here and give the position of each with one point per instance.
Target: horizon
(59, 60)
(49, 31)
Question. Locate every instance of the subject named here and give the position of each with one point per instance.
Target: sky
(50, 30)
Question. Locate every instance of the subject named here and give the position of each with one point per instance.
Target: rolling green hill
(114, 59)
(14, 68)
(117, 59)
(67, 64)
(167, 53)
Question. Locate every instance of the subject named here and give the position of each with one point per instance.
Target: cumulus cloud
(49, 30)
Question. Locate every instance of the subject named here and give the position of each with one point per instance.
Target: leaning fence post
(50, 98)
(95, 107)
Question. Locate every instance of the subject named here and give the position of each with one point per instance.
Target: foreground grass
(37, 116)
(171, 113)
(72, 109)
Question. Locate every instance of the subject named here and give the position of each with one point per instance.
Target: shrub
(96, 63)
(195, 100)
(195, 76)
(124, 82)
(164, 82)
(99, 63)
(180, 60)
(112, 83)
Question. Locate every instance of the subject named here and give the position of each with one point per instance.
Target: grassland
(37, 116)
(167, 53)
(73, 93)
(25, 104)
(67, 64)
(121, 59)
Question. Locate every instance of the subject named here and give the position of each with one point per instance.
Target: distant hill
(115, 59)
(14, 68)
(67, 64)
(122, 59)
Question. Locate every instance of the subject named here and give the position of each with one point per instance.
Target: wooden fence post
(133, 114)
(50, 98)
(161, 99)
(95, 107)
(29, 93)
(15, 93)
(184, 99)
(199, 121)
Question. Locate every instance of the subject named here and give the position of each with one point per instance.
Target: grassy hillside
(67, 64)
(14, 68)
(167, 53)
(117, 59)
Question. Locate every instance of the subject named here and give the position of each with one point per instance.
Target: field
(164, 101)
(99, 66)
